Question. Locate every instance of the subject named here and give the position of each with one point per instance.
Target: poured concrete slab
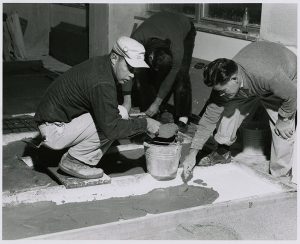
(169, 213)
(141, 203)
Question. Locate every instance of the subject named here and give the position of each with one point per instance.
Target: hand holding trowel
(188, 165)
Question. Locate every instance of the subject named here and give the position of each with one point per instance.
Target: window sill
(228, 32)
(212, 29)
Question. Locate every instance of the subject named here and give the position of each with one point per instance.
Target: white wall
(38, 25)
(71, 15)
(210, 47)
(41, 17)
(279, 23)
(121, 19)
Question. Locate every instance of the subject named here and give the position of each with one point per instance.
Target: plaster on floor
(40, 218)
(134, 196)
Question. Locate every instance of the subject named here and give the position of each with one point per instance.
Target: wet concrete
(17, 176)
(200, 182)
(40, 218)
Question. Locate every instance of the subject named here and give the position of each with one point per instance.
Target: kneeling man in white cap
(80, 109)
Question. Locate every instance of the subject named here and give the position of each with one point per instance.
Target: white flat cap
(132, 51)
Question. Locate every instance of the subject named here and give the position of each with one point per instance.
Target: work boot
(76, 168)
(215, 158)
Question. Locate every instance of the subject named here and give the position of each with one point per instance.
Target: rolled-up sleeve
(106, 114)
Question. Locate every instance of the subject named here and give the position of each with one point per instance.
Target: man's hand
(123, 112)
(168, 130)
(152, 125)
(188, 164)
(154, 107)
(152, 110)
(284, 127)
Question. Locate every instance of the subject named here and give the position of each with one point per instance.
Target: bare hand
(152, 110)
(188, 166)
(168, 130)
(152, 125)
(123, 112)
(285, 129)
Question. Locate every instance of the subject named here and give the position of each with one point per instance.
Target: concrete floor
(263, 222)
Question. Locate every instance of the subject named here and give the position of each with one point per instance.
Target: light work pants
(237, 110)
(80, 136)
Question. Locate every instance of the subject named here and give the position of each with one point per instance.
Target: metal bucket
(162, 160)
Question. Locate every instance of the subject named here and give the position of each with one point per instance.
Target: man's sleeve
(208, 121)
(286, 89)
(104, 103)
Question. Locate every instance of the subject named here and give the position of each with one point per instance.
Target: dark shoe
(34, 142)
(183, 127)
(215, 158)
(74, 167)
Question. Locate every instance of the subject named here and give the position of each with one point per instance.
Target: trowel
(186, 178)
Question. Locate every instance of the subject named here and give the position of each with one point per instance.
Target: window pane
(187, 9)
(233, 11)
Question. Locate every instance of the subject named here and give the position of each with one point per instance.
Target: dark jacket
(88, 87)
(166, 25)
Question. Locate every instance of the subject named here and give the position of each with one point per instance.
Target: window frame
(202, 19)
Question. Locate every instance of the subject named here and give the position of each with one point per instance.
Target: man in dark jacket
(261, 73)
(169, 42)
(80, 110)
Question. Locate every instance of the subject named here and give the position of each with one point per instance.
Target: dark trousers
(147, 83)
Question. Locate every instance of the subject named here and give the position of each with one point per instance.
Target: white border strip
(119, 187)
